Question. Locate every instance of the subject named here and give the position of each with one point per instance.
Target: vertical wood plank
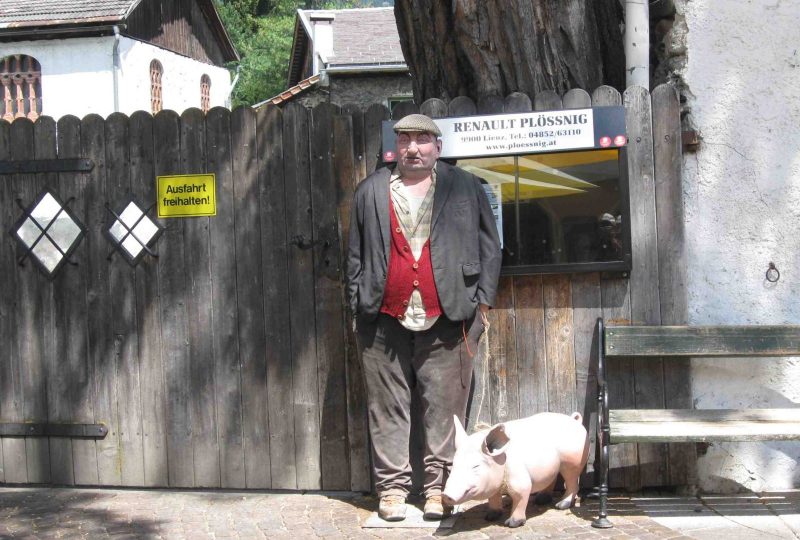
(559, 343)
(623, 458)
(586, 308)
(102, 350)
(275, 268)
(645, 307)
(502, 366)
(256, 421)
(347, 167)
(577, 98)
(16, 139)
(434, 108)
(672, 265)
(547, 100)
(148, 310)
(9, 213)
(328, 295)
(69, 391)
(39, 462)
(404, 108)
(372, 136)
(89, 466)
(301, 291)
(462, 106)
(604, 96)
(230, 149)
(173, 292)
(122, 299)
(517, 102)
(31, 303)
(198, 302)
(532, 363)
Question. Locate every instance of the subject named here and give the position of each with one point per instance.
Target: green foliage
(262, 31)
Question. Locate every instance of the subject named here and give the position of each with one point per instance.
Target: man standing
(422, 269)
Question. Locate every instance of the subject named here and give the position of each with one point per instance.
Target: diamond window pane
(131, 214)
(46, 210)
(132, 246)
(29, 232)
(64, 231)
(47, 253)
(145, 230)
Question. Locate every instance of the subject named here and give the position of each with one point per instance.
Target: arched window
(156, 71)
(21, 76)
(205, 93)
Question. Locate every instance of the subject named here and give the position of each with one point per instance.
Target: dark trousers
(438, 364)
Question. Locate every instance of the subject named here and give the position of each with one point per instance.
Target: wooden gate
(228, 360)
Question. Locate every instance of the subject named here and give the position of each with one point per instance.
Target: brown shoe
(435, 508)
(392, 508)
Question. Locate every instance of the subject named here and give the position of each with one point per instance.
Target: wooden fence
(228, 360)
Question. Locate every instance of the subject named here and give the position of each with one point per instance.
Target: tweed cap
(417, 122)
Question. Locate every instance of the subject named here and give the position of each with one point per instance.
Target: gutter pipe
(115, 68)
(637, 43)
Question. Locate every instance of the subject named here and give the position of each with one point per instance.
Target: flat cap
(417, 122)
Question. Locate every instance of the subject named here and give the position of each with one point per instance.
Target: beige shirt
(414, 215)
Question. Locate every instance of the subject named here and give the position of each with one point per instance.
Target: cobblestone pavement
(196, 515)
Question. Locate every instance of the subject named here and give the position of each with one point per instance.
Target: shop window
(156, 72)
(556, 181)
(21, 77)
(205, 93)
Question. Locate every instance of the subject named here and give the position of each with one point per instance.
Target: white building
(738, 67)
(60, 57)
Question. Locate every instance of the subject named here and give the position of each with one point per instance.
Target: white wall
(742, 204)
(77, 76)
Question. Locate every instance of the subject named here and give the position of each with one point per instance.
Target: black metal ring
(773, 274)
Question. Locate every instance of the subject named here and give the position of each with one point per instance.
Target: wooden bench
(688, 425)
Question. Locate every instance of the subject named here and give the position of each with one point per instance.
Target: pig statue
(518, 458)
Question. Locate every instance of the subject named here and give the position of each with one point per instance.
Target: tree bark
(478, 48)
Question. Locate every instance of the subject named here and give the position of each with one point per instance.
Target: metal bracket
(32, 166)
(72, 431)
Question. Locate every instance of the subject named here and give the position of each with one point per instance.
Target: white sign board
(547, 131)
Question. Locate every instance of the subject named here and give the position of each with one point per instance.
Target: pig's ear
(496, 440)
(461, 435)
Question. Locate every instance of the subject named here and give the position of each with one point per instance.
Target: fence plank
(230, 152)
(645, 308)
(148, 310)
(9, 213)
(30, 303)
(604, 96)
(462, 106)
(404, 108)
(672, 263)
(373, 118)
(517, 102)
(503, 364)
(256, 421)
(623, 458)
(531, 353)
(559, 343)
(328, 295)
(547, 100)
(122, 299)
(198, 302)
(346, 166)
(39, 462)
(11, 397)
(274, 251)
(173, 292)
(586, 308)
(434, 108)
(577, 98)
(301, 292)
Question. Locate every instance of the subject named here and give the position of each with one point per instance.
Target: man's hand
(484, 311)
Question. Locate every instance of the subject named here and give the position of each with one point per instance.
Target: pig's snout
(447, 500)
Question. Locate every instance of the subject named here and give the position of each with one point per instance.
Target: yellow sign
(187, 195)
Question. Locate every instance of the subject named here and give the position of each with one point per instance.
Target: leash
(484, 340)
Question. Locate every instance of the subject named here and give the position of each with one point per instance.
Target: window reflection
(557, 208)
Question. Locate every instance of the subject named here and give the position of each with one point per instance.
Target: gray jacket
(465, 246)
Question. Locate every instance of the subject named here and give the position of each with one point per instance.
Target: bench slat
(702, 340)
(691, 425)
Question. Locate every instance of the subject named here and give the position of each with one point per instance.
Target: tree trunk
(478, 48)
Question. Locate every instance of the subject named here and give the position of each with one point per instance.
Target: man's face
(417, 153)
